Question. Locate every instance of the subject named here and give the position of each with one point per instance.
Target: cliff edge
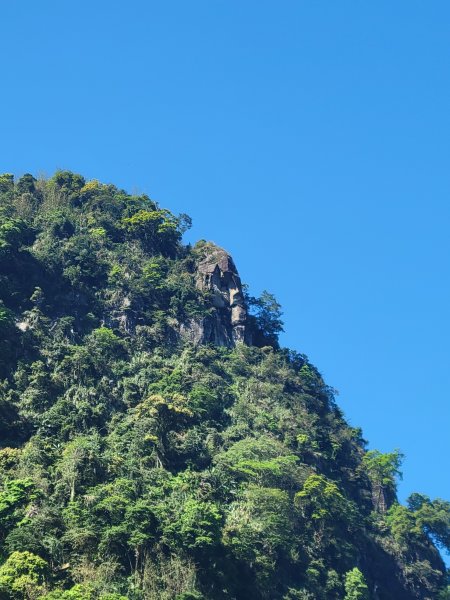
(216, 276)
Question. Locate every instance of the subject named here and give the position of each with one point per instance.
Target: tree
(69, 182)
(431, 517)
(78, 461)
(327, 514)
(23, 576)
(258, 528)
(195, 526)
(13, 233)
(321, 500)
(164, 413)
(262, 460)
(6, 183)
(382, 470)
(355, 586)
(26, 184)
(402, 523)
(16, 494)
(265, 319)
(157, 229)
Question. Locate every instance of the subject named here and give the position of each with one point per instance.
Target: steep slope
(156, 443)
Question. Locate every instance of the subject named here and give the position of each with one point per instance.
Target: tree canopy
(136, 465)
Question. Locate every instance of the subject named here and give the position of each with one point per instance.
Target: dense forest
(157, 443)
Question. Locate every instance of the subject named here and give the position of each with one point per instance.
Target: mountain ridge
(155, 440)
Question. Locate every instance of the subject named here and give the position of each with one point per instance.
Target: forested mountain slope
(155, 440)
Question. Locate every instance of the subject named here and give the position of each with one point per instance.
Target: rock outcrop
(217, 275)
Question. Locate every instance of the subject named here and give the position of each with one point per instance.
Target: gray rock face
(226, 325)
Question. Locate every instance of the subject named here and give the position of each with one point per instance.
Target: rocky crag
(226, 324)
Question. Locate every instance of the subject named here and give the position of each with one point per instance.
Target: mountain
(155, 440)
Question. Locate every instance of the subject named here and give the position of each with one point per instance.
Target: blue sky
(310, 139)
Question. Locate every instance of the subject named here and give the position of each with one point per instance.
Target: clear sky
(310, 138)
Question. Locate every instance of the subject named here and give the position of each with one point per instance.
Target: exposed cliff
(226, 322)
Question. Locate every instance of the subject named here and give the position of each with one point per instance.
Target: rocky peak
(216, 273)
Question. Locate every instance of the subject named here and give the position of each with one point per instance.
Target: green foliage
(432, 517)
(355, 586)
(154, 273)
(67, 181)
(78, 462)
(104, 342)
(81, 592)
(383, 469)
(422, 517)
(23, 576)
(13, 233)
(6, 318)
(402, 523)
(263, 460)
(266, 319)
(135, 465)
(194, 526)
(157, 229)
(321, 500)
(26, 184)
(15, 495)
(259, 529)
(444, 594)
(169, 577)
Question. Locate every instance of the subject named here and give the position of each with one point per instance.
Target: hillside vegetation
(135, 464)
